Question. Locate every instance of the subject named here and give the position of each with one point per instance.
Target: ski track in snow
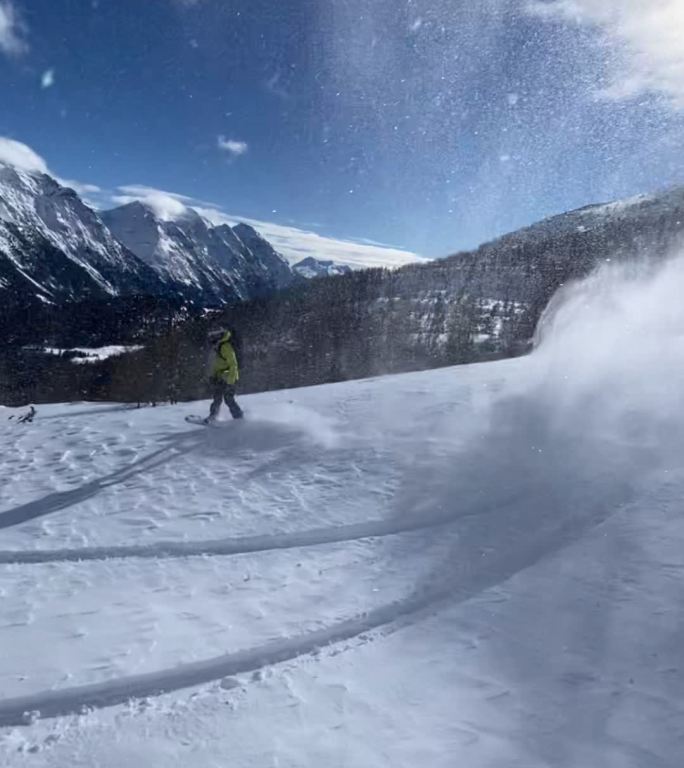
(239, 546)
(520, 522)
(546, 494)
(313, 443)
(23, 710)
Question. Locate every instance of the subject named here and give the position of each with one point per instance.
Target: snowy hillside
(213, 263)
(54, 247)
(627, 212)
(477, 566)
(310, 268)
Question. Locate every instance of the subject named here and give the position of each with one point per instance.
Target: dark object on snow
(27, 418)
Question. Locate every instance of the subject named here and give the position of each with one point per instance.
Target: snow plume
(611, 351)
(602, 391)
(583, 429)
(288, 418)
(647, 35)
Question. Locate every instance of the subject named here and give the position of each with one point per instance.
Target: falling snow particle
(48, 78)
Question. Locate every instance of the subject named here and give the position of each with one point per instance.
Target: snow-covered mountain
(311, 267)
(216, 263)
(54, 247)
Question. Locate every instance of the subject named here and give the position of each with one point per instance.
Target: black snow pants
(224, 392)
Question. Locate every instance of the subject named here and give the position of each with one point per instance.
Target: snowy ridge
(212, 262)
(54, 247)
(311, 267)
(37, 209)
(627, 212)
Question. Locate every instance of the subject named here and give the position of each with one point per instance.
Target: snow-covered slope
(213, 263)
(476, 566)
(53, 246)
(311, 267)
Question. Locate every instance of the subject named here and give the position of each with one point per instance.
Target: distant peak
(134, 208)
(246, 230)
(161, 206)
(310, 261)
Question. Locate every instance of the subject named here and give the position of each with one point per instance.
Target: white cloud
(296, 244)
(21, 156)
(233, 147)
(82, 189)
(166, 205)
(12, 30)
(648, 35)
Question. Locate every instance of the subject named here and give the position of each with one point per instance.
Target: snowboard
(199, 420)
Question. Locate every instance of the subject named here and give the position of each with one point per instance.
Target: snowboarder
(224, 376)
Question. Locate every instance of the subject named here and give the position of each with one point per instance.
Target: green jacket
(225, 364)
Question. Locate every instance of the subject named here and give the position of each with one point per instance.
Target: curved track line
(21, 710)
(537, 546)
(234, 546)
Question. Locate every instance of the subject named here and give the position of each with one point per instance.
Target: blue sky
(430, 125)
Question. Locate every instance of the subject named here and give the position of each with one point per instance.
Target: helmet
(221, 334)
